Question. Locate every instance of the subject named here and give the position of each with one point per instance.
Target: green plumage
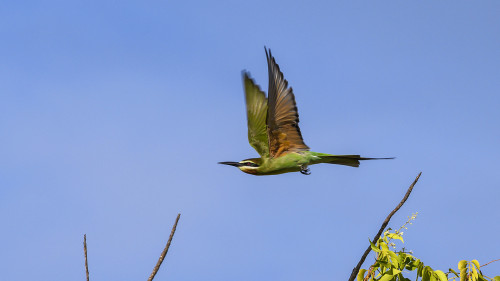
(296, 162)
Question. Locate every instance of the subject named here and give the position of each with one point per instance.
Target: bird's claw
(304, 170)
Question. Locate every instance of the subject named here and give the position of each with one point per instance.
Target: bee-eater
(273, 130)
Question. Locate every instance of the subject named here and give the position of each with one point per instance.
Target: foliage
(391, 265)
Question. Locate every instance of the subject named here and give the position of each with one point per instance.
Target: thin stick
(384, 225)
(489, 262)
(164, 253)
(85, 251)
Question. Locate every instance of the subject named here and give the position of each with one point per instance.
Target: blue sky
(113, 115)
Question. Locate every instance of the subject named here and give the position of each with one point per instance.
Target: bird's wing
(256, 116)
(282, 116)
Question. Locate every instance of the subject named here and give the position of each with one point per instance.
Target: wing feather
(256, 116)
(282, 117)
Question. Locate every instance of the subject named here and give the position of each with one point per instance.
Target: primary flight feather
(273, 130)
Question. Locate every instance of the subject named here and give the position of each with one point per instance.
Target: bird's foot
(304, 170)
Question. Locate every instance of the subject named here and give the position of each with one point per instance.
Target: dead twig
(85, 252)
(490, 262)
(384, 225)
(164, 253)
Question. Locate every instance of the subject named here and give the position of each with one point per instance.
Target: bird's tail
(347, 160)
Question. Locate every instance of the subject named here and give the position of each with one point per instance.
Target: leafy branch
(390, 266)
(355, 270)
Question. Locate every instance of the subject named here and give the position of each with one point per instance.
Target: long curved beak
(235, 164)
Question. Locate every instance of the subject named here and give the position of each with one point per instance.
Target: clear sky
(114, 114)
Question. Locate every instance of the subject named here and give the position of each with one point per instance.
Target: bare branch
(384, 225)
(164, 253)
(490, 262)
(85, 252)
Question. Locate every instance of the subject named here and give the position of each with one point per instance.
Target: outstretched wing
(282, 116)
(256, 116)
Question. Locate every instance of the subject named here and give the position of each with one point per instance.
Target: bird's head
(249, 166)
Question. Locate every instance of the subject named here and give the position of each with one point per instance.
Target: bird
(273, 130)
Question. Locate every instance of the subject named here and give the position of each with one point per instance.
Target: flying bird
(273, 130)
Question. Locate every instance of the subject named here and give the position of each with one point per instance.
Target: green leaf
(440, 275)
(426, 273)
(463, 274)
(454, 272)
(374, 248)
(396, 271)
(386, 277)
(384, 264)
(402, 259)
(496, 278)
(407, 262)
(478, 266)
(420, 267)
(395, 236)
(410, 267)
(361, 275)
(384, 247)
(462, 264)
(474, 273)
(394, 259)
